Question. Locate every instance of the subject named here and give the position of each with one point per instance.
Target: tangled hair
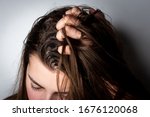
(95, 67)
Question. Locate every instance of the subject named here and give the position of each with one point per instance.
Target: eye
(35, 87)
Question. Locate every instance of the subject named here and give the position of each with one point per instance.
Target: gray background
(17, 17)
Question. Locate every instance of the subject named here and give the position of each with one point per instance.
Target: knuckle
(66, 18)
(76, 10)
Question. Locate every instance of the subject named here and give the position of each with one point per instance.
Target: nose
(52, 96)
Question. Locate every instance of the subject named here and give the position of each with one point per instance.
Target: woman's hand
(70, 19)
(67, 22)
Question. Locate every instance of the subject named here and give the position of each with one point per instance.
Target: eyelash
(35, 88)
(39, 88)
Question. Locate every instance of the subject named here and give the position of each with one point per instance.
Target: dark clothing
(12, 97)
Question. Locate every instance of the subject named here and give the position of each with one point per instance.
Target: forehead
(42, 74)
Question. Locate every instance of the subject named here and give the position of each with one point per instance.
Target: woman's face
(41, 82)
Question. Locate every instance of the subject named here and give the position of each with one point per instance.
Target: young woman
(72, 53)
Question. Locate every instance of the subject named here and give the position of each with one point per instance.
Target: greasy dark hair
(95, 67)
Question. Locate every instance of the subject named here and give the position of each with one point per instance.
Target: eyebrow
(34, 81)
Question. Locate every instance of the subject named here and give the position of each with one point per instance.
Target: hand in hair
(67, 22)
